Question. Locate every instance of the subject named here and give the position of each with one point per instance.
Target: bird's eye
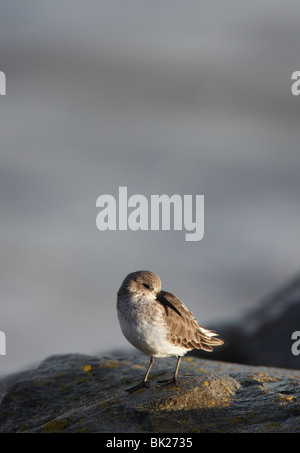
(146, 285)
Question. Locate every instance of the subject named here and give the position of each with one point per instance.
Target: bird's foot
(138, 386)
(168, 382)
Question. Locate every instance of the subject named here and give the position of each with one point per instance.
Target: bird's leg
(174, 378)
(144, 383)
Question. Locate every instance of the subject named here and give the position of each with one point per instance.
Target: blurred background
(162, 97)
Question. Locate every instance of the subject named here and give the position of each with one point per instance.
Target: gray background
(161, 97)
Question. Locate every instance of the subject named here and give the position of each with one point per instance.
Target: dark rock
(263, 335)
(79, 393)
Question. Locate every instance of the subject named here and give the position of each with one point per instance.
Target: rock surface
(80, 393)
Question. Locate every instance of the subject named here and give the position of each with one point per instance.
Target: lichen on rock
(80, 393)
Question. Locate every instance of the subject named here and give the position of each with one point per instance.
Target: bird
(159, 324)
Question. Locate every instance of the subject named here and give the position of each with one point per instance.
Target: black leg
(174, 378)
(144, 383)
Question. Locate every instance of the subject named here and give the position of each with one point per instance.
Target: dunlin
(158, 323)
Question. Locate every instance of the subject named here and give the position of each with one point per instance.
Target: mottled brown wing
(184, 330)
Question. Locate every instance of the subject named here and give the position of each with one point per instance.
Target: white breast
(143, 325)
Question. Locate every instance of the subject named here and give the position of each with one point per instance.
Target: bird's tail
(209, 340)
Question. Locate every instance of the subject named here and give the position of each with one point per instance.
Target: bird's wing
(184, 330)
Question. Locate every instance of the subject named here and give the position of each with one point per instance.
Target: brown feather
(184, 330)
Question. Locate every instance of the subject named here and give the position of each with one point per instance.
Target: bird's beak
(161, 298)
